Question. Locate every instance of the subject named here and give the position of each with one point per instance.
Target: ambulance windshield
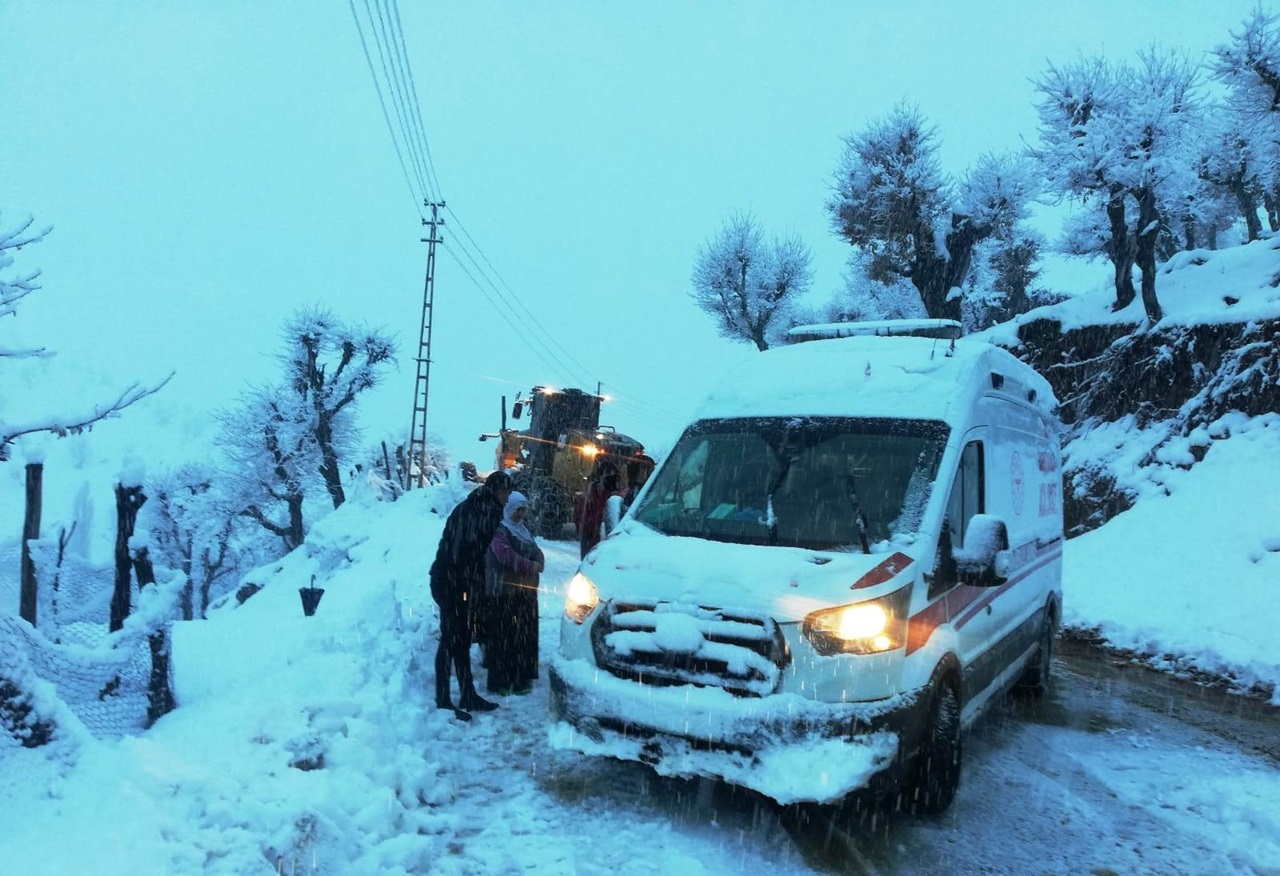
(809, 482)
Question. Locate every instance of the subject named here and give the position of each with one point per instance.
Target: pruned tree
(1248, 63)
(328, 364)
(747, 284)
(194, 531)
(1004, 280)
(286, 441)
(869, 296)
(13, 289)
(1121, 138)
(1230, 167)
(273, 459)
(909, 220)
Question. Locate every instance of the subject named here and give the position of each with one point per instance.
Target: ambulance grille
(665, 643)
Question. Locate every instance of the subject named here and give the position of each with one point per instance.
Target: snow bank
(1197, 287)
(1189, 578)
(312, 745)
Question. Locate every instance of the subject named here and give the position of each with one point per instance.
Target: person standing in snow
(603, 484)
(457, 577)
(513, 565)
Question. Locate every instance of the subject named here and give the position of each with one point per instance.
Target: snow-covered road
(1120, 771)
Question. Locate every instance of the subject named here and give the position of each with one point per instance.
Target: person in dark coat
(514, 564)
(457, 575)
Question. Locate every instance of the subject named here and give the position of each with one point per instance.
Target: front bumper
(784, 746)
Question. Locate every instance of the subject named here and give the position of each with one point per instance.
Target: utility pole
(418, 428)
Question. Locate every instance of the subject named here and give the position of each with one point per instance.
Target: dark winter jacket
(458, 570)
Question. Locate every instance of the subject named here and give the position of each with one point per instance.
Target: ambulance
(852, 551)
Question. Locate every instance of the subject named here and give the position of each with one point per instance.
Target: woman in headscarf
(513, 565)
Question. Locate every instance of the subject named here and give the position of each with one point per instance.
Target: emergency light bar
(946, 329)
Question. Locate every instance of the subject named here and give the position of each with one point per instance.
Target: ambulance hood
(783, 582)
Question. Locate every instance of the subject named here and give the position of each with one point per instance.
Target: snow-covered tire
(935, 775)
(1038, 677)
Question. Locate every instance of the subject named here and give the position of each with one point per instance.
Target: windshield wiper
(859, 516)
(770, 518)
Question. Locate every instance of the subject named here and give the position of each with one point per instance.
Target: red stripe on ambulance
(883, 572)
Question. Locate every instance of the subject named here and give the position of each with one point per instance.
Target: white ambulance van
(854, 548)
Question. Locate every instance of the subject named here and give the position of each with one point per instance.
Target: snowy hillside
(1187, 579)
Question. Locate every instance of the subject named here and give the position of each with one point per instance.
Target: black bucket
(310, 599)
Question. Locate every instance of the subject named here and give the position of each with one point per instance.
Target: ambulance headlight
(581, 598)
(871, 627)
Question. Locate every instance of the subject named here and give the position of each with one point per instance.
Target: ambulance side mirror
(986, 539)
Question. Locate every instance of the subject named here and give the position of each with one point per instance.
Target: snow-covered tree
(910, 221)
(1003, 281)
(1123, 138)
(1248, 64)
(1230, 166)
(286, 440)
(870, 295)
(747, 284)
(13, 289)
(328, 364)
(273, 458)
(194, 530)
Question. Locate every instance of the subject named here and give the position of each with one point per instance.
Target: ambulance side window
(967, 499)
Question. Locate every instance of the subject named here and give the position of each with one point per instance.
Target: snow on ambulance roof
(905, 377)
(884, 328)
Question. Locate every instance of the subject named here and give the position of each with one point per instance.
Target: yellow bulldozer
(556, 457)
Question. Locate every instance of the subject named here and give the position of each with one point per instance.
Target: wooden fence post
(30, 531)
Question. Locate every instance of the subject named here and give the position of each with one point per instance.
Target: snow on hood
(783, 582)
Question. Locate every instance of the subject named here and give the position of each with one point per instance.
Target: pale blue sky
(209, 167)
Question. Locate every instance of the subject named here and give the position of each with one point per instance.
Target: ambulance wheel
(1038, 677)
(935, 776)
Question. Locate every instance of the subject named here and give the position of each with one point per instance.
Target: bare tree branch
(25, 352)
(74, 424)
(255, 513)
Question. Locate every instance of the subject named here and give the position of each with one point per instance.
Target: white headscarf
(517, 527)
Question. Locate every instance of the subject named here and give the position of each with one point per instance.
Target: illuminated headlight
(589, 450)
(581, 599)
(862, 628)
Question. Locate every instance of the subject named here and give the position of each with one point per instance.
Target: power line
(396, 92)
(397, 71)
(502, 312)
(386, 117)
(398, 30)
(582, 370)
(550, 355)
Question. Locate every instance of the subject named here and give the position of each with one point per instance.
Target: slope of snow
(1190, 576)
(1195, 287)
